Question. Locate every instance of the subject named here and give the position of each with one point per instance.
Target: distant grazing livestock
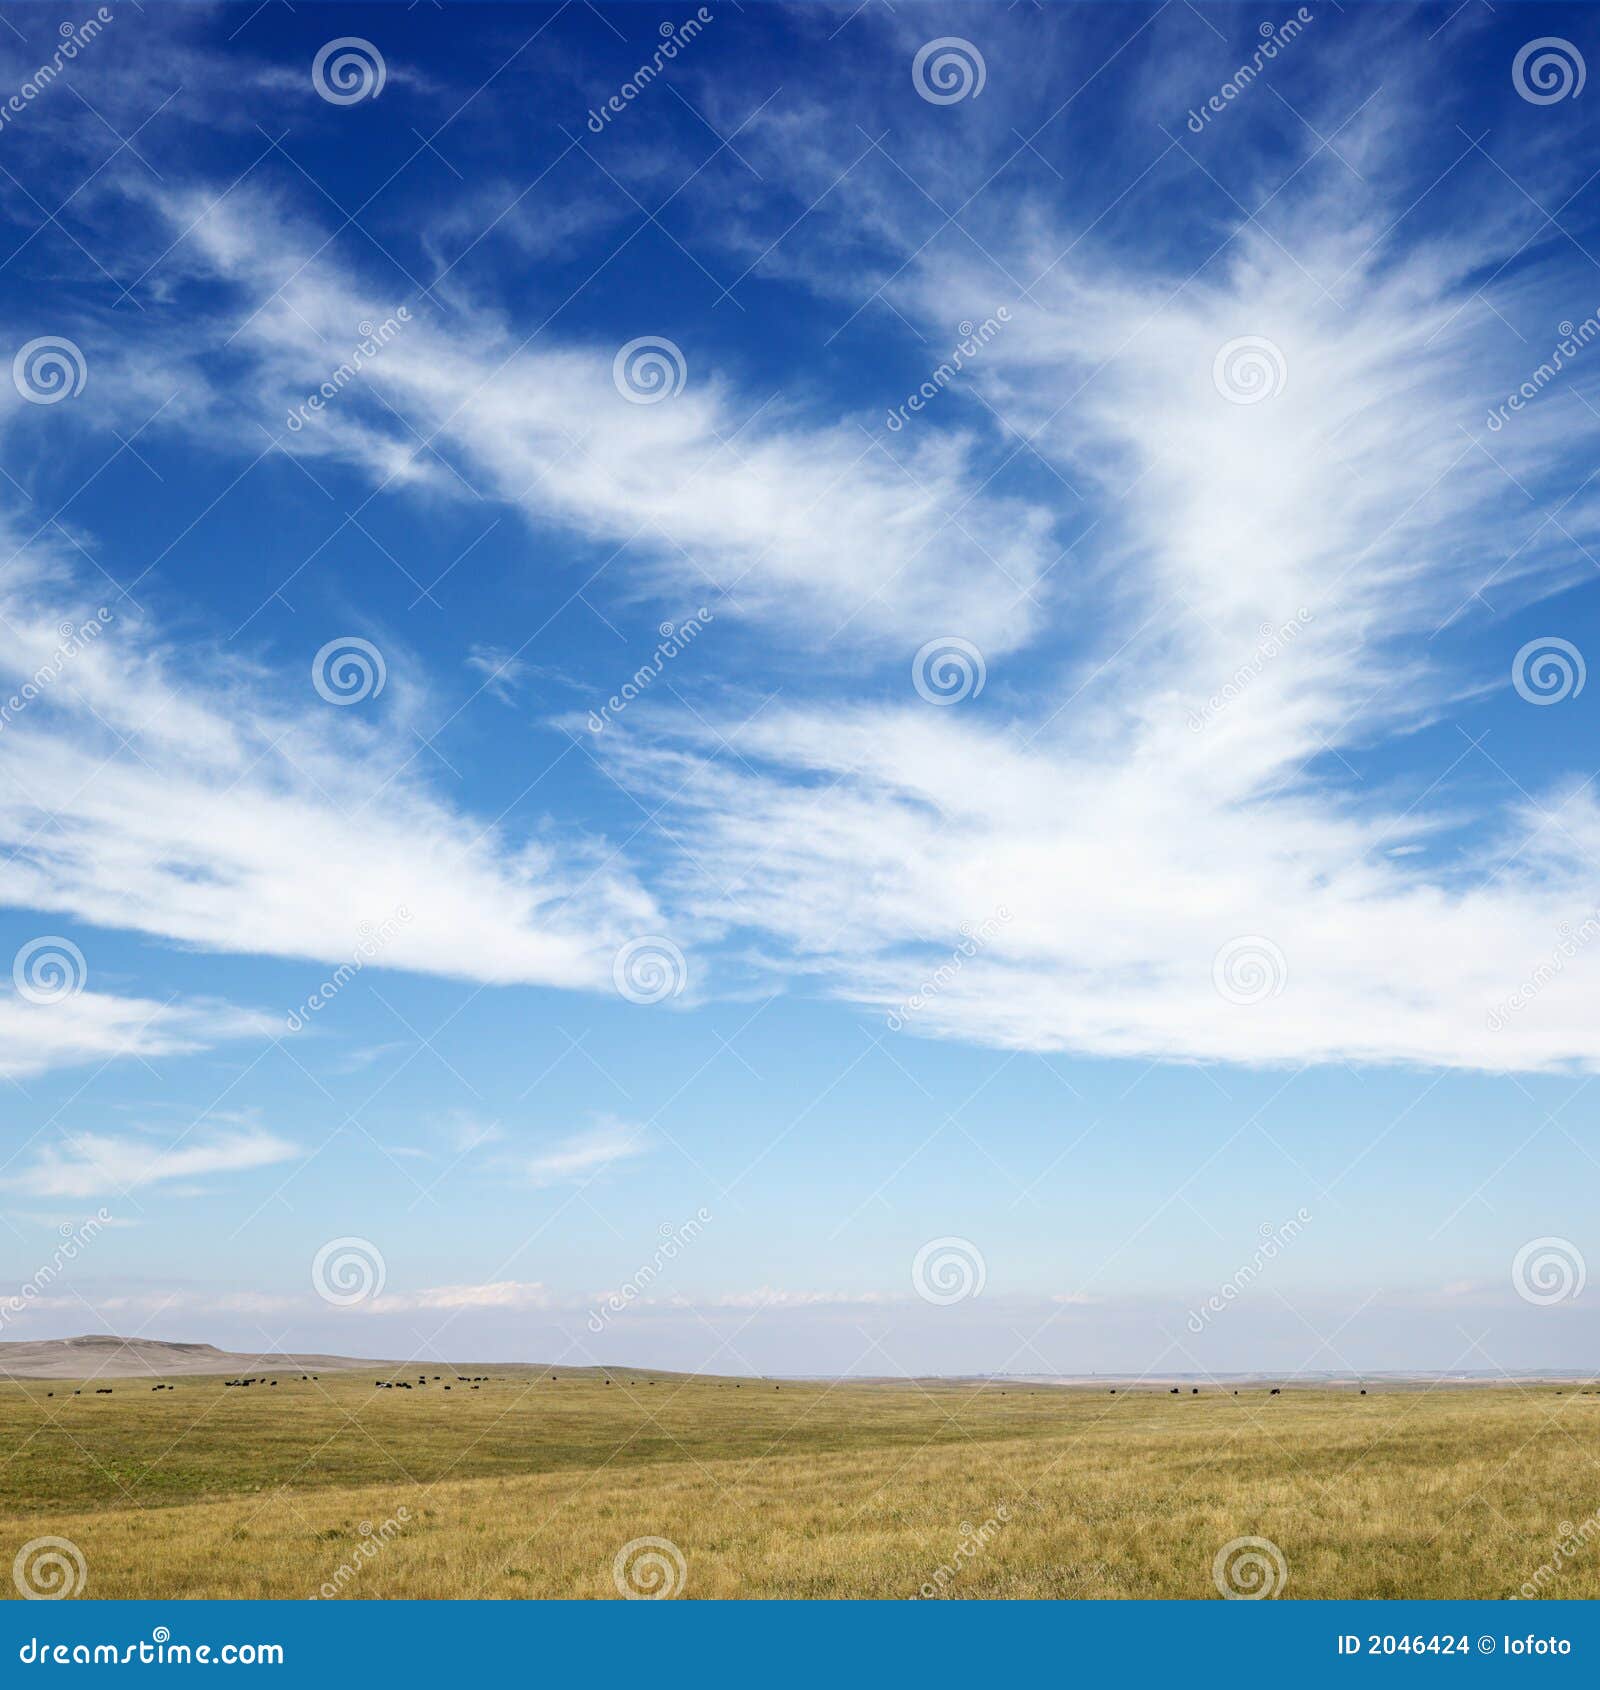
(1273, 1392)
(1173, 1392)
(1194, 1390)
(1113, 1390)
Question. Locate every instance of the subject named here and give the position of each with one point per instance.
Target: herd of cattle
(472, 1379)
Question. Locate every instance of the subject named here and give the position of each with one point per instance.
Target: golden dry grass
(530, 1488)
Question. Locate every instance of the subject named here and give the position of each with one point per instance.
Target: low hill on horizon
(101, 1355)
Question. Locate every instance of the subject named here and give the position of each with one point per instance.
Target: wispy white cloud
(196, 799)
(584, 1154)
(502, 671)
(1172, 785)
(509, 1294)
(96, 1026)
(94, 1164)
(809, 522)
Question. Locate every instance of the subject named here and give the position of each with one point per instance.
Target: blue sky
(1114, 803)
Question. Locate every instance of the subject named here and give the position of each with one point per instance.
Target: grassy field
(530, 1487)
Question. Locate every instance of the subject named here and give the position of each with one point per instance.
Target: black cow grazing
(1194, 1390)
(49, 1393)
(447, 1387)
(1273, 1392)
(1113, 1390)
(1173, 1392)
(1557, 1393)
(477, 1387)
(1236, 1393)
(274, 1382)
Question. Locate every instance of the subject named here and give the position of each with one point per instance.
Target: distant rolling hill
(101, 1356)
